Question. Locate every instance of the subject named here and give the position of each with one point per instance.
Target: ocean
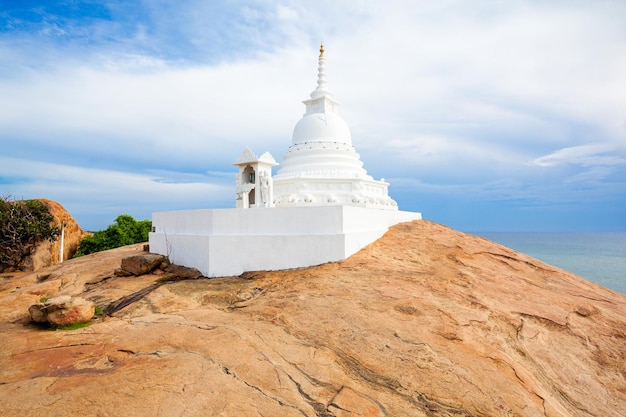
(598, 257)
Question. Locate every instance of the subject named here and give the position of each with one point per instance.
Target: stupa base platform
(229, 242)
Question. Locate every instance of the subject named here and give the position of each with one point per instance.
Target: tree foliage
(23, 224)
(124, 231)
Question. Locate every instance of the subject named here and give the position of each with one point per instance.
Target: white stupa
(321, 166)
(320, 207)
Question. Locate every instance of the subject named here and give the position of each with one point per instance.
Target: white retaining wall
(228, 242)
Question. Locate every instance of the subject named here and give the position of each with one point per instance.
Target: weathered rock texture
(62, 310)
(426, 321)
(142, 264)
(47, 253)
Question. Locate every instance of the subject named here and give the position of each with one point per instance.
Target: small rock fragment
(585, 310)
(183, 272)
(119, 272)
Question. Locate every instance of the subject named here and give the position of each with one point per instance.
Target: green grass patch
(72, 326)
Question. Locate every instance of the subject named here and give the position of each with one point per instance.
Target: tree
(125, 230)
(23, 224)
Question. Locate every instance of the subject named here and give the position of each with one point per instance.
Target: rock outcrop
(47, 253)
(62, 310)
(426, 321)
(142, 264)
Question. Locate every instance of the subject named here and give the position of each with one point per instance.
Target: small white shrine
(253, 183)
(320, 207)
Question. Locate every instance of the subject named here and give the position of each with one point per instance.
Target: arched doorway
(248, 177)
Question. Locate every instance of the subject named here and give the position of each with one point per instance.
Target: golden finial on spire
(321, 49)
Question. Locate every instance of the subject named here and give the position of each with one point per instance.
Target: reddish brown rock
(47, 253)
(119, 272)
(62, 310)
(142, 264)
(182, 272)
(426, 321)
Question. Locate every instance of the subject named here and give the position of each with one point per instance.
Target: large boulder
(62, 310)
(142, 264)
(47, 253)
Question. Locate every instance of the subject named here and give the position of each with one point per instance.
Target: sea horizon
(596, 256)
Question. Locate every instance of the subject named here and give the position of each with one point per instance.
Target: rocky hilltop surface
(426, 321)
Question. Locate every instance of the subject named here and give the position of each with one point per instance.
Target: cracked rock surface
(426, 321)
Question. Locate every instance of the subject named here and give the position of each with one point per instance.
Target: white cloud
(185, 113)
(286, 13)
(590, 155)
(450, 94)
(529, 62)
(111, 192)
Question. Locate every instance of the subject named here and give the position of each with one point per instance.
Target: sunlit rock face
(321, 167)
(424, 322)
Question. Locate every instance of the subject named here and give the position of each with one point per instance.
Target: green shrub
(124, 231)
(23, 224)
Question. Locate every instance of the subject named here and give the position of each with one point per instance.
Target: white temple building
(321, 166)
(320, 207)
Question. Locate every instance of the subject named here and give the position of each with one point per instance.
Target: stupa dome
(321, 167)
(321, 127)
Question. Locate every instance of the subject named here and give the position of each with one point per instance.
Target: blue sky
(483, 115)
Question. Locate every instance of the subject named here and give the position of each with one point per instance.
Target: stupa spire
(322, 88)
